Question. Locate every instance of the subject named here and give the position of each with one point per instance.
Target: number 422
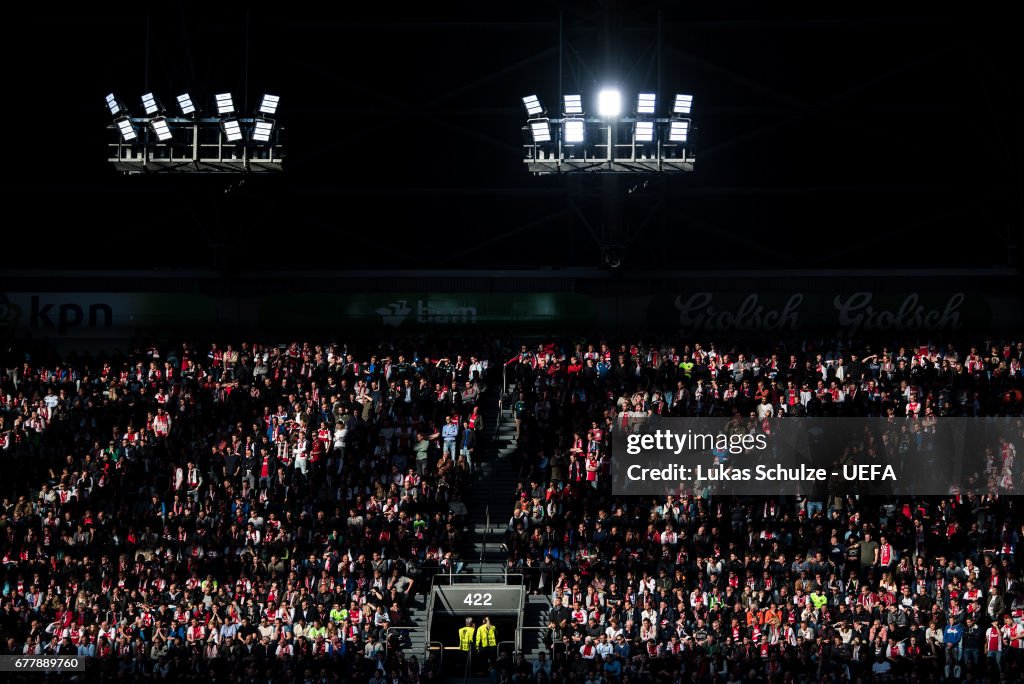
(477, 599)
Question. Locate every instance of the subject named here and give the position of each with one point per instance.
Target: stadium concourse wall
(117, 307)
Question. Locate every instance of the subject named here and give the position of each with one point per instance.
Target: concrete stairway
(535, 615)
(417, 612)
(492, 491)
(483, 548)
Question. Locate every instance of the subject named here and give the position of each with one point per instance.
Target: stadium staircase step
(535, 615)
(417, 638)
(482, 548)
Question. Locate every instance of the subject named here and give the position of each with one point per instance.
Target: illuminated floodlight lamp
(262, 130)
(124, 125)
(541, 131)
(678, 131)
(574, 131)
(185, 104)
(268, 105)
(114, 105)
(573, 104)
(150, 105)
(645, 103)
(684, 103)
(644, 132)
(225, 104)
(160, 127)
(232, 130)
(532, 105)
(609, 103)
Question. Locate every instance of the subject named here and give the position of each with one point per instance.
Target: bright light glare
(609, 103)
(678, 131)
(574, 131)
(684, 103)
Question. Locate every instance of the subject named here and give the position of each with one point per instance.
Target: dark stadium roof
(826, 138)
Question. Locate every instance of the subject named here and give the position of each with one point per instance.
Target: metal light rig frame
(196, 145)
(608, 146)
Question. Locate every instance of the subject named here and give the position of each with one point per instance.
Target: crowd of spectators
(267, 513)
(696, 587)
(244, 513)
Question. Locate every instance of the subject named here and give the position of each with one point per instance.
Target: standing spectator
(449, 435)
(467, 443)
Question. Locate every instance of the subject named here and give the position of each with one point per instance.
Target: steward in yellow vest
(466, 635)
(485, 635)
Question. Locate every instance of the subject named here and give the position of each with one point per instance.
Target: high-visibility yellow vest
(485, 636)
(466, 638)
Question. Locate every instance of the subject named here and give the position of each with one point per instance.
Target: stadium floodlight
(574, 131)
(124, 124)
(532, 105)
(609, 102)
(262, 130)
(645, 103)
(150, 105)
(232, 130)
(644, 132)
(573, 104)
(678, 131)
(160, 127)
(684, 103)
(185, 104)
(225, 104)
(541, 131)
(114, 105)
(268, 105)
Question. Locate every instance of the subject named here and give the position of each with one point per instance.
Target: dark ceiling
(824, 138)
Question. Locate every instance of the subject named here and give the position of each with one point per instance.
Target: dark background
(828, 137)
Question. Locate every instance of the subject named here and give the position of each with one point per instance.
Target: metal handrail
(498, 648)
(504, 389)
(440, 651)
(487, 528)
(428, 597)
(494, 465)
(451, 576)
